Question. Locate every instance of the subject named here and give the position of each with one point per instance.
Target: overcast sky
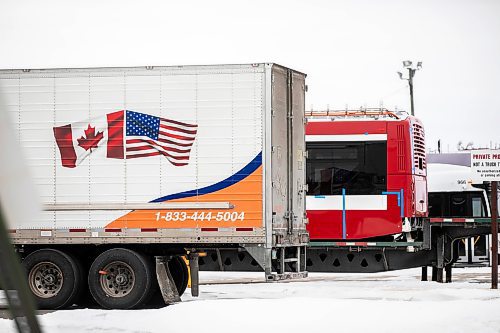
(351, 50)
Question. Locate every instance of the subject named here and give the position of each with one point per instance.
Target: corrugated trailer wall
(103, 142)
(225, 105)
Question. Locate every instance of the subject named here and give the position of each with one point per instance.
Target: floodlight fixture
(411, 73)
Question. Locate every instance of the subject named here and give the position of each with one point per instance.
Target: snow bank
(382, 302)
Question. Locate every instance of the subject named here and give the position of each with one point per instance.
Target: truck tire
(120, 279)
(180, 274)
(55, 278)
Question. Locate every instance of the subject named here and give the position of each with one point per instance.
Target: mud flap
(167, 286)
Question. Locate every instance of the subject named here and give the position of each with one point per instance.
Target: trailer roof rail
(356, 113)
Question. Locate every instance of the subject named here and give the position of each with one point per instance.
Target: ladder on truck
(282, 262)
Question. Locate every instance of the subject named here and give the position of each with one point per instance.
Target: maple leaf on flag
(91, 139)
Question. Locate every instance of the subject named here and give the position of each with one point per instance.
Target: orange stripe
(246, 196)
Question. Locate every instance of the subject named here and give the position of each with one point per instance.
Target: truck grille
(419, 147)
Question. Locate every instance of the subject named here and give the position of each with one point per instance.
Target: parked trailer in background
(134, 164)
(452, 193)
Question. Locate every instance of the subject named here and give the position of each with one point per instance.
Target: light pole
(411, 73)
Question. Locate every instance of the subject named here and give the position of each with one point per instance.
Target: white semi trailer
(139, 166)
(452, 193)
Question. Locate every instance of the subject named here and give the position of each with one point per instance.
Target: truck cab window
(457, 204)
(478, 207)
(359, 167)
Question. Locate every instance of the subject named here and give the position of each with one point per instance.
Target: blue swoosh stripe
(240, 175)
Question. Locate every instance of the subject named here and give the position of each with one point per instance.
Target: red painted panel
(414, 191)
(345, 127)
(325, 224)
(360, 224)
(399, 159)
(363, 224)
(397, 182)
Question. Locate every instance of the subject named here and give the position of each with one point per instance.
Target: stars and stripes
(151, 136)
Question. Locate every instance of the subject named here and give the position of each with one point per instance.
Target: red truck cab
(366, 174)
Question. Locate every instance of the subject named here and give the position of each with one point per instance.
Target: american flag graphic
(151, 136)
(126, 134)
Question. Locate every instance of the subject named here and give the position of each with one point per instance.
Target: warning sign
(485, 165)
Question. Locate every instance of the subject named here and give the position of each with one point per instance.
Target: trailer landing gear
(195, 269)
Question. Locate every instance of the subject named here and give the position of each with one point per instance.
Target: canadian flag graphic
(78, 140)
(126, 134)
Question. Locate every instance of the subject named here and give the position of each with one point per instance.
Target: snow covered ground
(382, 302)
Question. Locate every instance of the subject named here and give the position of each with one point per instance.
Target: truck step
(291, 260)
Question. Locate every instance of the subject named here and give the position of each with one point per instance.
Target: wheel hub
(118, 280)
(121, 279)
(45, 279)
(50, 279)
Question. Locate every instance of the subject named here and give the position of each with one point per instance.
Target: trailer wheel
(180, 274)
(120, 279)
(55, 278)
